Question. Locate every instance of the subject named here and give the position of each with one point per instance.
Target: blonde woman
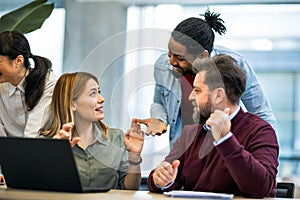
(105, 157)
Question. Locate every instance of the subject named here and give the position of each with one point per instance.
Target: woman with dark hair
(26, 86)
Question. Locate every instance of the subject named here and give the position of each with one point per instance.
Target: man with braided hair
(194, 38)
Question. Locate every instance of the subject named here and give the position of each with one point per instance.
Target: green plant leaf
(27, 18)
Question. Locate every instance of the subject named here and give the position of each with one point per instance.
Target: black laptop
(40, 164)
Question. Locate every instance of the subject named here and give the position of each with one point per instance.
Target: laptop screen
(39, 164)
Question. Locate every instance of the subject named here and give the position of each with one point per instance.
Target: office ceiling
(12, 4)
(195, 2)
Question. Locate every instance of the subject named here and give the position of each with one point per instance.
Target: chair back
(285, 190)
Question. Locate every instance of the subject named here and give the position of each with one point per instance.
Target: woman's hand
(134, 138)
(66, 133)
(2, 180)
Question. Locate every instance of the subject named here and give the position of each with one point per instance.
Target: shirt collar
(232, 115)
(98, 134)
(12, 89)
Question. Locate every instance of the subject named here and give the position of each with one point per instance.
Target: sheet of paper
(199, 195)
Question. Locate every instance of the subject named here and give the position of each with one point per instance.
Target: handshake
(154, 126)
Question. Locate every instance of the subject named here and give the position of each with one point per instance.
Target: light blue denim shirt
(167, 94)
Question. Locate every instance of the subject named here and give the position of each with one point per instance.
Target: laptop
(40, 164)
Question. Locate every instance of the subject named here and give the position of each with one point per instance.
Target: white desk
(15, 194)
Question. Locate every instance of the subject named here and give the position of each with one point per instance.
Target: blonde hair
(68, 88)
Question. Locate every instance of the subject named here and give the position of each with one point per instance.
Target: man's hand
(154, 126)
(219, 123)
(165, 173)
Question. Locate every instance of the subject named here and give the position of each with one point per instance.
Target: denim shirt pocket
(168, 100)
(164, 93)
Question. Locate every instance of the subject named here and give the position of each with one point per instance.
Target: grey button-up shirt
(15, 119)
(104, 163)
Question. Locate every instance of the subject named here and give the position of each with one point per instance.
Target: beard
(202, 113)
(198, 118)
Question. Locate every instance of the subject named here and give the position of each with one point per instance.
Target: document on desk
(198, 195)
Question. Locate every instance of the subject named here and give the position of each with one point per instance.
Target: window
(268, 37)
(48, 41)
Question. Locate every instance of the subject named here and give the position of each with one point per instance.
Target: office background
(120, 40)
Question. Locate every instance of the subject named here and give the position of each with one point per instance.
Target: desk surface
(15, 194)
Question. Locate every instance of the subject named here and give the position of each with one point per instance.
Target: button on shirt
(104, 163)
(15, 119)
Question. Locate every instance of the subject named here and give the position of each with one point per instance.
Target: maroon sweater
(244, 165)
(186, 107)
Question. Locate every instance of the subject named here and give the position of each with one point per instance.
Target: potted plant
(28, 17)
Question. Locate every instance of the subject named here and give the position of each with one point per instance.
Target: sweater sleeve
(258, 161)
